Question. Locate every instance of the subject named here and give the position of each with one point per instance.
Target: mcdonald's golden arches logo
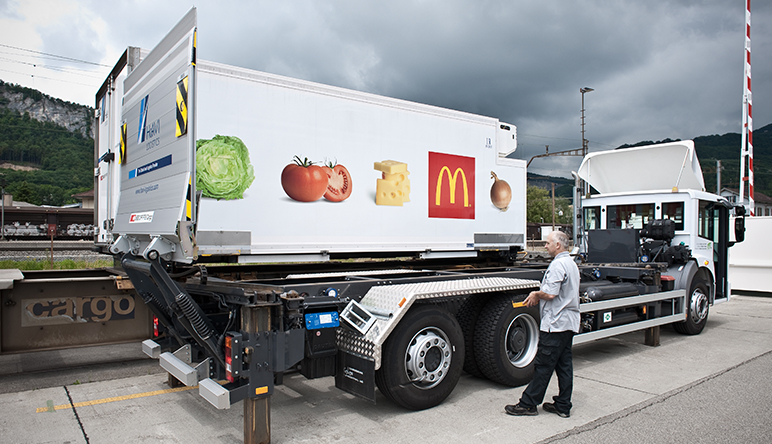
(451, 186)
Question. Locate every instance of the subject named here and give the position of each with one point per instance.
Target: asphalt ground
(710, 388)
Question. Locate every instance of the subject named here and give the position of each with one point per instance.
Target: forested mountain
(44, 163)
(726, 148)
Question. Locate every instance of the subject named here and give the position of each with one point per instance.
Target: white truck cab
(651, 206)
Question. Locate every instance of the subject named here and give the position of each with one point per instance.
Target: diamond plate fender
(397, 299)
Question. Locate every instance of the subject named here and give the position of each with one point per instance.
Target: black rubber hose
(189, 309)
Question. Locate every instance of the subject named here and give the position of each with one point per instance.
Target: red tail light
(229, 358)
(155, 327)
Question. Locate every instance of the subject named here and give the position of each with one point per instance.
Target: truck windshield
(708, 220)
(675, 212)
(592, 218)
(629, 216)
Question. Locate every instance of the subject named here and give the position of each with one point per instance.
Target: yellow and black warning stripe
(188, 203)
(122, 153)
(195, 43)
(182, 107)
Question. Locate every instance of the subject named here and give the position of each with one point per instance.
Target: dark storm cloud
(659, 69)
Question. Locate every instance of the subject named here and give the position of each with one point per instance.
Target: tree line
(725, 148)
(61, 160)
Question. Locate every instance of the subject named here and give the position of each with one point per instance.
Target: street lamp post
(585, 185)
(584, 141)
(582, 188)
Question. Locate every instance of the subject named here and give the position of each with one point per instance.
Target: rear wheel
(506, 340)
(698, 306)
(422, 359)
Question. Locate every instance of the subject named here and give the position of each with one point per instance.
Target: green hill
(726, 148)
(42, 163)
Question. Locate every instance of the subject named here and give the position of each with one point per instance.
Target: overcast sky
(660, 69)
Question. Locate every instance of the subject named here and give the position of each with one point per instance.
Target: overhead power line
(60, 57)
(46, 78)
(560, 138)
(75, 71)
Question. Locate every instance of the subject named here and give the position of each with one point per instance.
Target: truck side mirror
(739, 229)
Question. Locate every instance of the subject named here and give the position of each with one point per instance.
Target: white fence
(750, 262)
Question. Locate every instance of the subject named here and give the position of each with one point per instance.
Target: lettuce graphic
(223, 170)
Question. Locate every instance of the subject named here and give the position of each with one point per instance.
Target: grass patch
(64, 264)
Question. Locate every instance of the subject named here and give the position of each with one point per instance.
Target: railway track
(39, 249)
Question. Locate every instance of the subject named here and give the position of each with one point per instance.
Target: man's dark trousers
(554, 353)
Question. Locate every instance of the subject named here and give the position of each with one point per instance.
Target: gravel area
(41, 250)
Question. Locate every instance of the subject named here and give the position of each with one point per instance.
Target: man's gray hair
(562, 239)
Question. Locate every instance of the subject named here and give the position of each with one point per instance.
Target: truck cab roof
(666, 166)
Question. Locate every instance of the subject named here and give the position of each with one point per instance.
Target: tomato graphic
(339, 183)
(303, 181)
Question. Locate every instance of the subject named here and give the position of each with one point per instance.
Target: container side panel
(442, 160)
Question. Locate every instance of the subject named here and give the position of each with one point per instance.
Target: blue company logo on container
(152, 166)
(147, 132)
(142, 119)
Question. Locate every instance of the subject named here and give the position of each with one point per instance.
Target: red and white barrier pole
(746, 148)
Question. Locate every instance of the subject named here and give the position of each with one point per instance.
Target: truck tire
(506, 340)
(467, 319)
(697, 308)
(422, 359)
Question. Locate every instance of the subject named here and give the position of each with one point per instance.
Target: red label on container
(451, 186)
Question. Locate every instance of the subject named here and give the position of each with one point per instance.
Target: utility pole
(553, 206)
(2, 196)
(584, 140)
(582, 188)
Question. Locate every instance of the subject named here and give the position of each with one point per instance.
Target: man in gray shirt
(558, 301)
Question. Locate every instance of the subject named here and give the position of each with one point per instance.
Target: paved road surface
(711, 388)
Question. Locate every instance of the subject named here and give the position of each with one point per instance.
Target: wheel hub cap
(427, 358)
(699, 306)
(522, 340)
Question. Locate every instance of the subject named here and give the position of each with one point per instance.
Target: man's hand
(532, 299)
(534, 296)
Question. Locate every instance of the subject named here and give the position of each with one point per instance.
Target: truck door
(105, 172)
(714, 226)
(721, 254)
(107, 178)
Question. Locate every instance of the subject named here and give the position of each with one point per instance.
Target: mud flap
(356, 375)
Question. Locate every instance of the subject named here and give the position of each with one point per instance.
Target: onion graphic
(501, 193)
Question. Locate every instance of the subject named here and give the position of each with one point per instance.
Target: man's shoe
(550, 407)
(518, 410)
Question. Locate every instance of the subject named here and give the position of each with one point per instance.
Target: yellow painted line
(51, 408)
